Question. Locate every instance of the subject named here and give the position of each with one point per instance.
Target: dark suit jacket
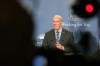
(66, 39)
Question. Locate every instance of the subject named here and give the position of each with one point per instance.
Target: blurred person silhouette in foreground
(16, 29)
(88, 45)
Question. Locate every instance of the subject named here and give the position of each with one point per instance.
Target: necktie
(57, 37)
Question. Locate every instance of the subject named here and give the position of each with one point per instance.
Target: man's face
(57, 23)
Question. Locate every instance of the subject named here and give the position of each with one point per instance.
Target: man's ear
(62, 23)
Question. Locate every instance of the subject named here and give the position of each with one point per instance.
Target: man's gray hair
(58, 16)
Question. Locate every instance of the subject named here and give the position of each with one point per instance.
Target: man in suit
(58, 37)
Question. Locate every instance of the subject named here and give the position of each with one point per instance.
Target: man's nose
(54, 24)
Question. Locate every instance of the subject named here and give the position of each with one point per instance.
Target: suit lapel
(62, 36)
(53, 36)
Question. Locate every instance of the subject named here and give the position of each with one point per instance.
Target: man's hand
(59, 46)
